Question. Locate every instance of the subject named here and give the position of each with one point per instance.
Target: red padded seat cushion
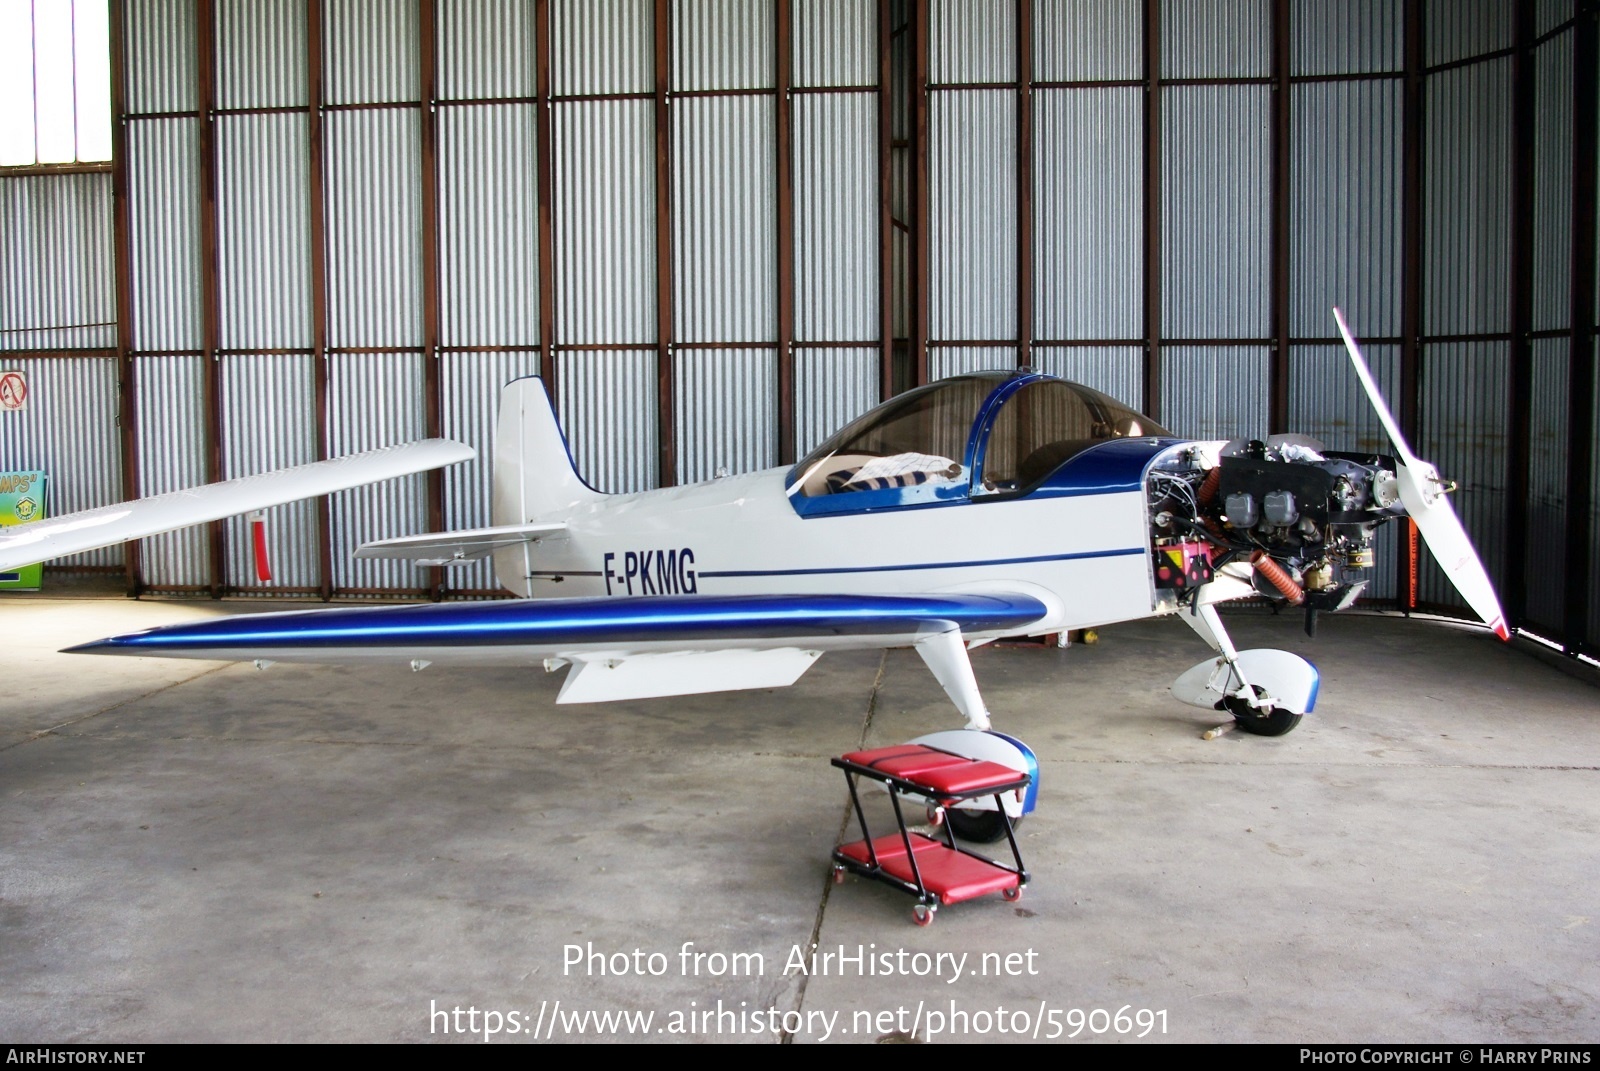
(969, 777)
(939, 771)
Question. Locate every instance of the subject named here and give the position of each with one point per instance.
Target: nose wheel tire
(1273, 721)
(979, 827)
(1277, 723)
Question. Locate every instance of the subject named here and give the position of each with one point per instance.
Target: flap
(647, 676)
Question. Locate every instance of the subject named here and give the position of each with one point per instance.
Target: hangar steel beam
(1278, 376)
(1024, 183)
(428, 48)
(127, 395)
(545, 147)
(1152, 209)
(210, 282)
(1581, 368)
(783, 151)
(886, 238)
(1410, 271)
(319, 283)
(921, 265)
(1523, 179)
(666, 452)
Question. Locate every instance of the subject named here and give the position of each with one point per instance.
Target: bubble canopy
(979, 435)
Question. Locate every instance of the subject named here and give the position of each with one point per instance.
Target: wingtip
(95, 647)
(111, 645)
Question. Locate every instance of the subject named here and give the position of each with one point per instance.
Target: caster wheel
(838, 875)
(935, 816)
(1013, 895)
(922, 915)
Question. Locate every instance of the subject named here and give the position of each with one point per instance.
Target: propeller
(1424, 496)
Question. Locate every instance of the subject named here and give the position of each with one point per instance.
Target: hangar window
(55, 80)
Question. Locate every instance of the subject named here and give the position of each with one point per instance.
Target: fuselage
(1080, 544)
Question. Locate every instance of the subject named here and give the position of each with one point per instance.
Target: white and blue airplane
(991, 505)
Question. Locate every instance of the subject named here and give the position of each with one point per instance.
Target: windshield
(1048, 421)
(919, 437)
(919, 443)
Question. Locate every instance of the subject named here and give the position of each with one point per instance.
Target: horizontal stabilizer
(457, 548)
(92, 529)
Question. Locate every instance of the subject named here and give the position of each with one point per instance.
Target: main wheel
(1274, 721)
(980, 827)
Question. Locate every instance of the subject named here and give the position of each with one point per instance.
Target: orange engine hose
(1208, 492)
(1279, 577)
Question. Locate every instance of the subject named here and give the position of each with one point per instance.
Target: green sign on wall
(21, 501)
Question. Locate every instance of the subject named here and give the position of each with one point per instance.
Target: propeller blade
(1452, 548)
(1363, 373)
(1423, 494)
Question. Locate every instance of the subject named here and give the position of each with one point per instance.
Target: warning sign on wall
(13, 392)
(21, 501)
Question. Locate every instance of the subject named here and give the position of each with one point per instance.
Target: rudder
(534, 476)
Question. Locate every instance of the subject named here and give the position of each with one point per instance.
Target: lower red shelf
(950, 875)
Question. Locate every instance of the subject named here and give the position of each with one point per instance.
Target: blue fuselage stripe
(930, 565)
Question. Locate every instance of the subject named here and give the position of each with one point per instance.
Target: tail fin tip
(534, 474)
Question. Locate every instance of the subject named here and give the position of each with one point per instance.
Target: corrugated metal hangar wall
(719, 228)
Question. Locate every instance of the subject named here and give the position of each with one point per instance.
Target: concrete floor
(203, 852)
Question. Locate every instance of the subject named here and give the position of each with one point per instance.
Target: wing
(618, 648)
(91, 529)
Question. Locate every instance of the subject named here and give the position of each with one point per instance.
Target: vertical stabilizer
(534, 477)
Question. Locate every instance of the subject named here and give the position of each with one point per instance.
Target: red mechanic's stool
(934, 871)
